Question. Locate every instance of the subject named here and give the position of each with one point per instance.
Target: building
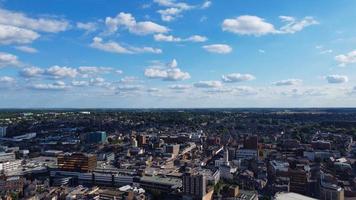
(251, 142)
(291, 196)
(329, 190)
(11, 184)
(246, 154)
(96, 137)
(10, 167)
(76, 162)
(3, 131)
(141, 140)
(298, 180)
(194, 185)
(173, 149)
(4, 157)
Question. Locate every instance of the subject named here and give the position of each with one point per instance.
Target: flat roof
(292, 196)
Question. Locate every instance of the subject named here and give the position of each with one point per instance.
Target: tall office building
(96, 137)
(141, 140)
(251, 142)
(3, 131)
(78, 162)
(194, 184)
(172, 149)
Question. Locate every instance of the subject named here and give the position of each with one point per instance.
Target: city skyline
(177, 54)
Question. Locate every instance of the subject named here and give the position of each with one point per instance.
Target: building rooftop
(292, 196)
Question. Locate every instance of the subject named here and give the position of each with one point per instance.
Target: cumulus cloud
(208, 84)
(180, 87)
(54, 72)
(88, 26)
(293, 25)
(7, 59)
(31, 72)
(58, 85)
(170, 72)
(238, 91)
(170, 38)
(254, 25)
(335, 79)
(61, 72)
(237, 77)
(15, 35)
(87, 71)
(80, 83)
(38, 24)
(7, 82)
(127, 21)
(114, 47)
(345, 59)
(218, 48)
(288, 82)
(174, 9)
(26, 49)
(206, 4)
(17, 28)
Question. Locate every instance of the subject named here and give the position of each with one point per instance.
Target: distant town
(207, 154)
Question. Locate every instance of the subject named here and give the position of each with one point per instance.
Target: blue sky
(166, 53)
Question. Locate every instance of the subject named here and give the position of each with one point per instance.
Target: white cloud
(61, 72)
(334, 79)
(129, 79)
(248, 25)
(7, 80)
(173, 10)
(40, 24)
(171, 72)
(126, 20)
(218, 48)
(208, 84)
(166, 38)
(254, 25)
(12, 34)
(345, 59)
(80, 83)
(237, 77)
(180, 87)
(94, 70)
(206, 4)
(293, 25)
(26, 49)
(261, 51)
(7, 60)
(128, 88)
(58, 85)
(171, 38)
(88, 26)
(114, 47)
(31, 72)
(197, 38)
(288, 82)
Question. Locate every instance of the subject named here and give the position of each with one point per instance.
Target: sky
(177, 54)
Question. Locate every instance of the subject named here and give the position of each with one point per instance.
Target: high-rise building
(172, 149)
(3, 131)
(141, 140)
(78, 162)
(96, 137)
(194, 184)
(251, 142)
(329, 190)
(298, 180)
